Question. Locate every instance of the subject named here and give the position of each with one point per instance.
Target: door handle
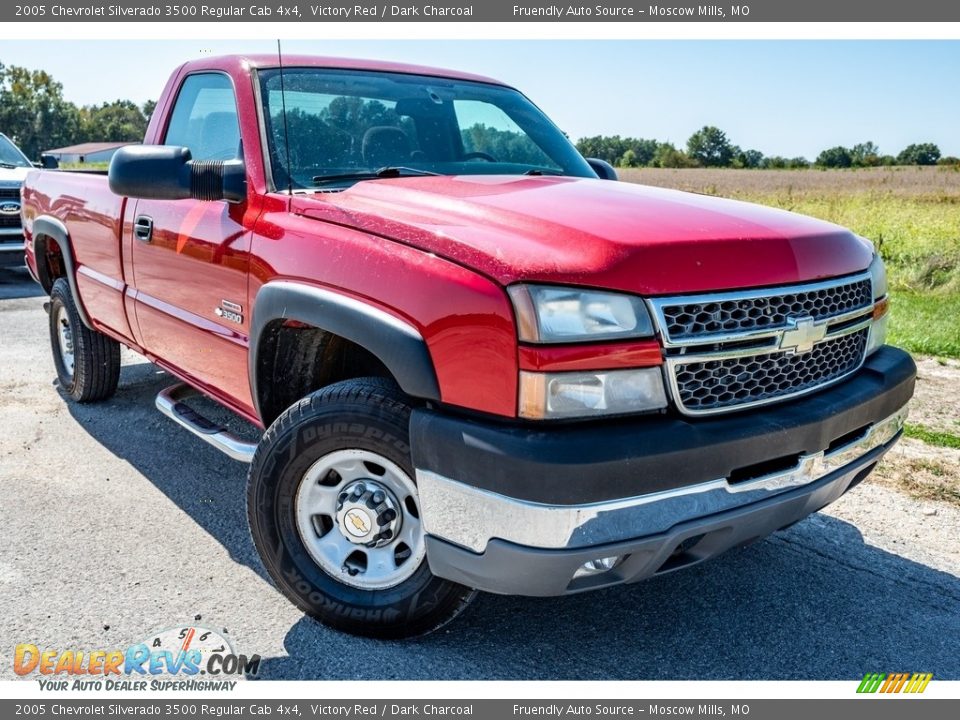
(143, 228)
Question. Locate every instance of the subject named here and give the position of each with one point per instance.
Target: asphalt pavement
(115, 522)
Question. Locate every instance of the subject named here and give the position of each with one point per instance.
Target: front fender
(395, 342)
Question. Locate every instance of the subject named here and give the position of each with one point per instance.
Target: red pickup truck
(480, 363)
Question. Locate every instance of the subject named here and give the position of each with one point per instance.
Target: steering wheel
(479, 156)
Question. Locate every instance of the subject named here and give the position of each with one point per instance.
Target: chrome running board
(171, 403)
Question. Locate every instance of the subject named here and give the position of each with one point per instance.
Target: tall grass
(911, 214)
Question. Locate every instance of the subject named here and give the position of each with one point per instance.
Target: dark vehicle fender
(48, 227)
(396, 343)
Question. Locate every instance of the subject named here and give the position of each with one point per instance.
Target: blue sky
(781, 97)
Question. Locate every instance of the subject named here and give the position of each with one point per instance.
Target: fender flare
(44, 227)
(395, 342)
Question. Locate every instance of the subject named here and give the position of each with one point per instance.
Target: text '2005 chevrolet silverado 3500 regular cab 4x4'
(480, 364)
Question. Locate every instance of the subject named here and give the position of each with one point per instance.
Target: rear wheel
(335, 514)
(87, 361)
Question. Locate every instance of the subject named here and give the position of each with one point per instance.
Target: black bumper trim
(601, 461)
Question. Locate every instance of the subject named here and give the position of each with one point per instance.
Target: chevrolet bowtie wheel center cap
(368, 514)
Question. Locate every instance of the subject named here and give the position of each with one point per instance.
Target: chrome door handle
(143, 228)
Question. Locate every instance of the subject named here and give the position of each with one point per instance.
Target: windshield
(10, 154)
(347, 125)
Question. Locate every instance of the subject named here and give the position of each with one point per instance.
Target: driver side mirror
(603, 169)
(167, 172)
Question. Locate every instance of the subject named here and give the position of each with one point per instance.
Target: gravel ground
(114, 522)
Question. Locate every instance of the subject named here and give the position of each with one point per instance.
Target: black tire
(367, 414)
(96, 357)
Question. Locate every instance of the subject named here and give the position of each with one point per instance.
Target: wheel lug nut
(386, 534)
(359, 490)
(389, 515)
(379, 497)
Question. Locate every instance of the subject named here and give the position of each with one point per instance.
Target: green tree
(835, 157)
(118, 121)
(614, 148)
(629, 159)
(148, 107)
(747, 158)
(709, 146)
(919, 154)
(667, 156)
(865, 154)
(33, 112)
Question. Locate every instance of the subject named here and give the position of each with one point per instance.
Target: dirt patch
(936, 404)
(925, 472)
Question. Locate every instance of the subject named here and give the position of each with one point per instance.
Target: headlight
(878, 330)
(878, 274)
(545, 396)
(566, 315)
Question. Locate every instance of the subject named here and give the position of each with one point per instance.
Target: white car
(14, 166)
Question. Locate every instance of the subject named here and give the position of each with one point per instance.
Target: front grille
(717, 384)
(728, 350)
(743, 312)
(9, 193)
(9, 221)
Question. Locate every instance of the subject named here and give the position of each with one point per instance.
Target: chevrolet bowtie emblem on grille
(801, 335)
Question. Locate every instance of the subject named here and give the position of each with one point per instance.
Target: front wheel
(335, 515)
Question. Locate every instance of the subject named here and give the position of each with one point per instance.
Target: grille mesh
(9, 193)
(9, 221)
(690, 320)
(717, 384)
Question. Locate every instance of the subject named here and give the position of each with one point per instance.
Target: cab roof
(247, 62)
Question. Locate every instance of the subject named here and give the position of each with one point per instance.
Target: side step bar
(171, 403)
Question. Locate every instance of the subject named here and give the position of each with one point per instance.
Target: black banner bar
(483, 11)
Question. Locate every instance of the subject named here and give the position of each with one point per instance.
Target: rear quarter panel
(93, 217)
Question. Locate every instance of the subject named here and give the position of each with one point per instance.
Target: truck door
(190, 258)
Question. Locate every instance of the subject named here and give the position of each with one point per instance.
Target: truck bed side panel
(93, 217)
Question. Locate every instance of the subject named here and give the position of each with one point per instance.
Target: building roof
(86, 148)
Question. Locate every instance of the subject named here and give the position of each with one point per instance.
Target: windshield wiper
(8, 166)
(393, 171)
(542, 171)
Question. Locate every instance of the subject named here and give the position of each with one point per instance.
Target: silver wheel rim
(350, 536)
(65, 338)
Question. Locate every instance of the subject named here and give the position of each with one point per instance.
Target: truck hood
(13, 175)
(595, 233)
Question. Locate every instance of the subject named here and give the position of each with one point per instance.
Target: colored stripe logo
(894, 683)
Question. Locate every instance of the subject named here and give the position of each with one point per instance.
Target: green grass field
(911, 214)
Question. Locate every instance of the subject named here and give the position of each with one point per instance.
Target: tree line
(710, 147)
(35, 115)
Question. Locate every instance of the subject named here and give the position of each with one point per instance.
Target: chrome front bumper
(470, 517)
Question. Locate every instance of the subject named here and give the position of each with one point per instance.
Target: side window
(488, 131)
(204, 118)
